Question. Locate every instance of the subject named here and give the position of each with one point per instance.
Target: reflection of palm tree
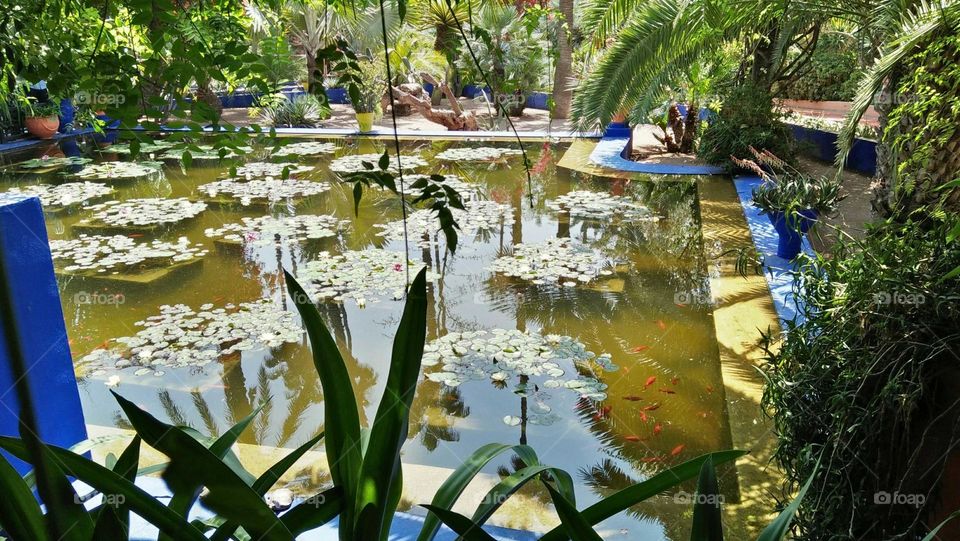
(173, 411)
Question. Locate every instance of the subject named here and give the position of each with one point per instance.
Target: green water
(640, 316)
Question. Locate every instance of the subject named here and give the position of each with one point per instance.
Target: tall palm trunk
(562, 93)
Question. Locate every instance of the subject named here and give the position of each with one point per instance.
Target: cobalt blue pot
(791, 228)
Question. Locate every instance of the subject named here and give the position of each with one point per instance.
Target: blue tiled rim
(777, 271)
(609, 150)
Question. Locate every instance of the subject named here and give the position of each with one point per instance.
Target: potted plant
(366, 93)
(42, 119)
(791, 199)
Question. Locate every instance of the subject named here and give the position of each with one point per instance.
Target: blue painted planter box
(337, 95)
(538, 100)
(823, 145)
(473, 91)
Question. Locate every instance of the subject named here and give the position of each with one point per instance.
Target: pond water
(512, 364)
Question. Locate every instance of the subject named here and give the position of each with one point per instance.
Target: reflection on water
(664, 404)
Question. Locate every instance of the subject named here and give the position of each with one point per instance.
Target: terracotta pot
(42, 127)
(365, 120)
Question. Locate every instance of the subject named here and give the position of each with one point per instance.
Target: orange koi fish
(667, 391)
(639, 349)
(677, 450)
(657, 429)
(632, 398)
(650, 381)
(661, 325)
(651, 407)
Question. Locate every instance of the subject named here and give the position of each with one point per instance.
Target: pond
(574, 316)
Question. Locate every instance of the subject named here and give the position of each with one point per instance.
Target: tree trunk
(314, 82)
(206, 95)
(562, 92)
(689, 137)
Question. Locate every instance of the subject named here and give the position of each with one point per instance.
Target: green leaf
(572, 521)
(381, 462)
(464, 527)
(776, 530)
(341, 417)
(113, 522)
(499, 494)
(932, 536)
(20, 514)
(192, 464)
(109, 482)
(707, 523)
(630, 496)
(457, 482)
(357, 195)
(64, 508)
(384, 162)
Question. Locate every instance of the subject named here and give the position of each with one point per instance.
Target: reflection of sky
(449, 424)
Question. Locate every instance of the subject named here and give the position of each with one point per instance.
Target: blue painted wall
(25, 255)
(823, 146)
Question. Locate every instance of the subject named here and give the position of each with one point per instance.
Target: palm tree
(562, 93)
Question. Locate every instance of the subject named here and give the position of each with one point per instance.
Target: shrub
(785, 189)
(870, 381)
(303, 111)
(746, 119)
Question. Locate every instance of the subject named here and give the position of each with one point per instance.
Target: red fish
(135, 235)
(657, 429)
(651, 407)
(633, 438)
(709, 388)
(661, 325)
(604, 411)
(667, 391)
(675, 381)
(639, 349)
(632, 398)
(643, 416)
(650, 381)
(677, 450)
(680, 305)
(650, 459)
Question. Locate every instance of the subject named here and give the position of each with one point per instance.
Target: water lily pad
(144, 212)
(263, 191)
(553, 262)
(354, 163)
(47, 162)
(423, 226)
(263, 230)
(64, 195)
(477, 154)
(601, 206)
(269, 169)
(102, 254)
(146, 147)
(309, 148)
(119, 171)
(362, 274)
(180, 336)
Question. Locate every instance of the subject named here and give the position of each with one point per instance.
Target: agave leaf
(453, 487)
(623, 499)
(497, 495)
(464, 527)
(932, 536)
(381, 462)
(193, 465)
(265, 481)
(571, 520)
(71, 520)
(341, 417)
(776, 530)
(109, 482)
(707, 524)
(20, 515)
(113, 520)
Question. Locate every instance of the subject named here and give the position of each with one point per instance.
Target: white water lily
(601, 206)
(553, 261)
(256, 170)
(143, 212)
(180, 336)
(354, 163)
(64, 195)
(119, 171)
(115, 253)
(504, 355)
(423, 226)
(261, 191)
(362, 274)
(478, 154)
(263, 230)
(309, 148)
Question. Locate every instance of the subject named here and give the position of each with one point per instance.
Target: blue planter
(823, 146)
(790, 229)
(337, 95)
(538, 100)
